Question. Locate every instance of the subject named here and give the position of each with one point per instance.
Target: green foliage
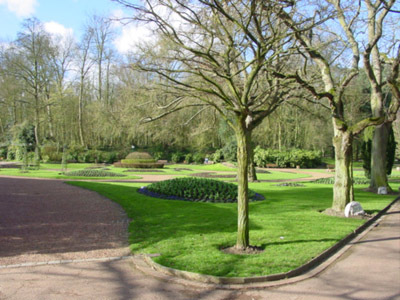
(139, 160)
(93, 173)
(198, 158)
(177, 157)
(366, 151)
(139, 156)
(51, 153)
(217, 156)
(229, 151)
(134, 161)
(189, 158)
(155, 165)
(197, 189)
(3, 153)
(286, 159)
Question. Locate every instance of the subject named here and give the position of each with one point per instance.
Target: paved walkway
(369, 270)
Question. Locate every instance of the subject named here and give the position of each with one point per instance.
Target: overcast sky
(64, 17)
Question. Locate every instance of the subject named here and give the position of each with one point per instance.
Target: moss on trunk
(379, 158)
(243, 137)
(343, 192)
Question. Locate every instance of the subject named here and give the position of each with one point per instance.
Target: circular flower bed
(196, 190)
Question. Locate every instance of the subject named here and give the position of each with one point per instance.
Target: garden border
(308, 270)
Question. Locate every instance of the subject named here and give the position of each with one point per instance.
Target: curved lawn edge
(143, 190)
(307, 270)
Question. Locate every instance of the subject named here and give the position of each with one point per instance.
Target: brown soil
(247, 251)
(42, 220)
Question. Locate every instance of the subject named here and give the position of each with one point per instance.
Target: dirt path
(47, 220)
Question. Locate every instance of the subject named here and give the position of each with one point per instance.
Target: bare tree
(221, 54)
(326, 39)
(85, 63)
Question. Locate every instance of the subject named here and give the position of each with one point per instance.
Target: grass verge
(188, 235)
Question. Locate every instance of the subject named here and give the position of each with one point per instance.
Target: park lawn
(53, 171)
(188, 236)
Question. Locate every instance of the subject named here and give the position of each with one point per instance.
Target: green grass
(188, 235)
(54, 170)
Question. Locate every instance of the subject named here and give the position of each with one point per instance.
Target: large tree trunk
(243, 137)
(343, 192)
(378, 157)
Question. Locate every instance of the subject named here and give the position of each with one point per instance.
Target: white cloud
(132, 35)
(57, 29)
(59, 33)
(22, 8)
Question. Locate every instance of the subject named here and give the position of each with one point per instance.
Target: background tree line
(82, 94)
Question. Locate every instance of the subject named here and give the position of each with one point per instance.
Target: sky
(64, 17)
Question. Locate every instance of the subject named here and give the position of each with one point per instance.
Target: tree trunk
(80, 112)
(252, 169)
(378, 157)
(243, 137)
(343, 192)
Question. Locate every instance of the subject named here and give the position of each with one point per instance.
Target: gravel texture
(47, 220)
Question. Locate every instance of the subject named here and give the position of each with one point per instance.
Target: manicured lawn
(288, 225)
(54, 171)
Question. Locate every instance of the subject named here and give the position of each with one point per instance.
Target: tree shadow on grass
(156, 220)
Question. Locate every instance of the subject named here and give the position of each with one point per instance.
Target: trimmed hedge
(135, 161)
(140, 160)
(287, 159)
(93, 173)
(155, 165)
(196, 190)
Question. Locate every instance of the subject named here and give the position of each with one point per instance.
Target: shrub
(93, 173)
(3, 153)
(196, 189)
(139, 155)
(177, 157)
(217, 156)
(229, 151)
(285, 159)
(50, 153)
(134, 161)
(189, 158)
(198, 158)
(139, 160)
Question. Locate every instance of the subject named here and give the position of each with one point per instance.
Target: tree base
(375, 190)
(335, 213)
(242, 251)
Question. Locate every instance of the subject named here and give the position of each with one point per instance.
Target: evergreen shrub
(139, 160)
(287, 159)
(93, 173)
(196, 190)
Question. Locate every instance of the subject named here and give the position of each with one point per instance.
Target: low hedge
(136, 161)
(287, 159)
(155, 165)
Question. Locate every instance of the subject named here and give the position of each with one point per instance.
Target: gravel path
(45, 220)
